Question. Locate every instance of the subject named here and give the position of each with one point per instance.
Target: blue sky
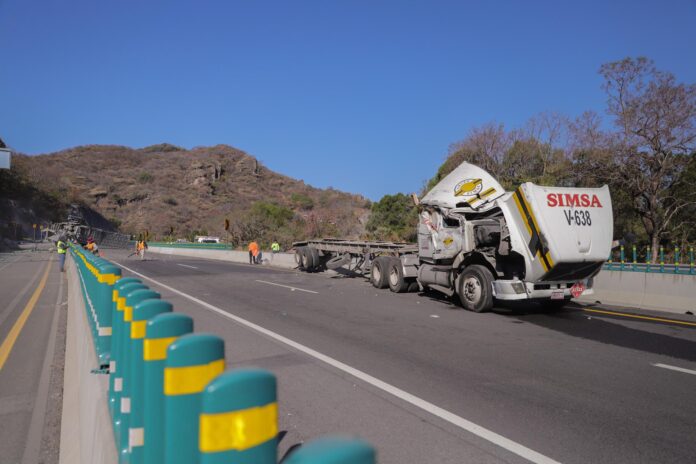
(364, 96)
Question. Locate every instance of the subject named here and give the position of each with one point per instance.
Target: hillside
(161, 187)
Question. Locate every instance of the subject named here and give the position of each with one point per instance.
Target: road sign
(4, 158)
(34, 226)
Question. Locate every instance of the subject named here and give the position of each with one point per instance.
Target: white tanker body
(482, 243)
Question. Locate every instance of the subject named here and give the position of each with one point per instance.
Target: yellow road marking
(11, 338)
(636, 316)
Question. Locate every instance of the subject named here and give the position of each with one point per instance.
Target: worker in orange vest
(253, 252)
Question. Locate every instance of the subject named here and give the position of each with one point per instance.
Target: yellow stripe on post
(138, 329)
(155, 349)
(238, 430)
(121, 303)
(127, 313)
(191, 379)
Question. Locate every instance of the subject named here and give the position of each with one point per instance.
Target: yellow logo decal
(468, 188)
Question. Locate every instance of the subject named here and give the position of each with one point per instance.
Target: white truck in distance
(484, 244)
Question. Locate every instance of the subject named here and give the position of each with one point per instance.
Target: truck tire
(413, 286)
(379, 274)
(316, 260)
(299, 258)
(397, 282)
(307, 259)
(474, 287)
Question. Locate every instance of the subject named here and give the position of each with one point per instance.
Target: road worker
(140, 247)
(61, 249)
(92, 246)
(275, 247)
(253, 252)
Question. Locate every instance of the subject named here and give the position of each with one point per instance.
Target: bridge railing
(170, 398)
(670, 260)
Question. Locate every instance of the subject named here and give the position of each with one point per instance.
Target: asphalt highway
(426, 381)
(32, 339)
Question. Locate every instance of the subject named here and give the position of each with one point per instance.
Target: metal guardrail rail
(621, 262)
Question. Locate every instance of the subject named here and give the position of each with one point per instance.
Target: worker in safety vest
(140, 248)
(275, 247)
(253, 252)
(61, 249)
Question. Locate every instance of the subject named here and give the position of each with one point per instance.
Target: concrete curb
(86, 432)
(280, 260)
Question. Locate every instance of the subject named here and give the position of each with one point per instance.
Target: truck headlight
(518, 287)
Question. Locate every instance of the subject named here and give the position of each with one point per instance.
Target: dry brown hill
(162, 186)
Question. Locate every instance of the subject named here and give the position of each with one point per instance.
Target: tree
(656, 121)
(393, 217)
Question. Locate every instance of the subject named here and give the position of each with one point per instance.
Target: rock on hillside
(163, 186)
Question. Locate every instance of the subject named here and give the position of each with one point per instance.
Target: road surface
(426, 381)
(32, 342)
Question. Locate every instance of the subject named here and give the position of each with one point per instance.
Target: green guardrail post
(635, 257)
(691, 260)
(115, 334)
(648, 258)
(107, 277)
(160, 332)
(334, 450)
(132, 298)
(623, 257)
(192, 362)
(662, 258)
(239, 419)
(676, 259)
(142, 311)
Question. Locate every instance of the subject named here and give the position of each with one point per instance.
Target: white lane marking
(437, 411)
(287, 286)
(186, 265)
(675, 368)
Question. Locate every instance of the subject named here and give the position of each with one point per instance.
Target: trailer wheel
(299, 258)
(307, 259)
(379, 274)
(397, 282)
(475, 288)
(316, 260)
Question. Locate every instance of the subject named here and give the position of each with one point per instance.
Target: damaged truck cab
(484, 243)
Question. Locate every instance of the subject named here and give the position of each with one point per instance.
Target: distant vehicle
(181, 240)
(207, 239)
(482, 243)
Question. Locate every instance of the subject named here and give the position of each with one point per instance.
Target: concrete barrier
(86, 435)
(674, 293)
(281, 260)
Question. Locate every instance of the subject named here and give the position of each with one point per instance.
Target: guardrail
(170, 398)
(681, 262)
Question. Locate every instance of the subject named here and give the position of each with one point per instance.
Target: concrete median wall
(674, 293)
(86, 435)
(282, 260)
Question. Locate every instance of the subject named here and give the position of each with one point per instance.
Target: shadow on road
(572, 321)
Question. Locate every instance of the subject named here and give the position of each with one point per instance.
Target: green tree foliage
(302, 201)
(394, 217)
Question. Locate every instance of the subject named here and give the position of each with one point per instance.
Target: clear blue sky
(364, 96)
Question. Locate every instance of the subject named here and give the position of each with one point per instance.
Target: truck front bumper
(520, 290)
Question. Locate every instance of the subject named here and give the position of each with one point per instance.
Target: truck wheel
(316, 260)
(475, 288)
(299, 258)
(413, 286)
(379, 274)
(307, 259)
(397, 282)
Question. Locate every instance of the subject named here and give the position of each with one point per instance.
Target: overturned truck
(483, 244)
